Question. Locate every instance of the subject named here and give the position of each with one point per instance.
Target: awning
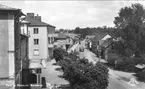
(140, 66)
(34, 64)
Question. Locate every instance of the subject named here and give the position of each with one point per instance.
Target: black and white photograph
(72, 44)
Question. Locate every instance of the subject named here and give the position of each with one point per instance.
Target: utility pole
(99, 51)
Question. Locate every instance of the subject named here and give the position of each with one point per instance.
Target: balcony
(50, 45)
(25, 33)
(24, 28)
(52, 35)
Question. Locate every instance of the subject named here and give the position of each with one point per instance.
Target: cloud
(70, 14)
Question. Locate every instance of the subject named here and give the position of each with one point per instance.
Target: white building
(40, 44)
(39, 41)
(9, 40)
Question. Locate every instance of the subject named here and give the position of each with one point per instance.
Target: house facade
(63, 41)
(7, 41)
(40, 45)
(104, 44)
(14, 45)
(40, 37)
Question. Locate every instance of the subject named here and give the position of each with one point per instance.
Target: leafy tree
(90, 31)
(131, 28)
(84, 75)
(59, 54)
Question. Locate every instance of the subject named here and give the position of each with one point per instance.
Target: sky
(71, 14)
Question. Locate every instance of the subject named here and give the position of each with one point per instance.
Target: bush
(59, 54)
(125, 64)
(128, 61)
(112, 57)
(141, 76)
(84, 75)
(119, 64)
(137, 60)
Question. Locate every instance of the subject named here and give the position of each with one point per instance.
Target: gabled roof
(112, 34)
(106, 37)
(61, 36)
(4, 7)
(35, 22)
(106, 42)
(99, 36)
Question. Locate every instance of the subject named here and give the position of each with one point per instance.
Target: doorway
(32, 78)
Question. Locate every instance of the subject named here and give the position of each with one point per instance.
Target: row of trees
(80, 73)
(86, 31)
(91, 31)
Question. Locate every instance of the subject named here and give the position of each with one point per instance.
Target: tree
(84, 75)
(59, 54)
(131, 28)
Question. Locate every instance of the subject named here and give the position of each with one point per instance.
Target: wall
(51, 30)
(24, 52)
(51, 35)
(7, 45)
(11, 45)
(3, 45)
(43, 43)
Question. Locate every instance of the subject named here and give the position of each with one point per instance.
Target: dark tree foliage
(131, 28)
(59, 54)
(84, 75)
(91, 31)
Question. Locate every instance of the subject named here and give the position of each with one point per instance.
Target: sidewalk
(6, 84)
(52, 75)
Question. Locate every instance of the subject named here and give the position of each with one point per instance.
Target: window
(48, 40)
(51, 40)
(36, 41)
(35, 30)
(36, 52)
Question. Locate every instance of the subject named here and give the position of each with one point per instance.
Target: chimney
(38, 17)
(30, 15)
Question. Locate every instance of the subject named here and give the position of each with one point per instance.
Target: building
(25, 72)
(40, 45)
(13, 45)
(63, 41)
(104, 42)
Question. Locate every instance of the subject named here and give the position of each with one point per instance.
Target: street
(117, 79)
(52, 75)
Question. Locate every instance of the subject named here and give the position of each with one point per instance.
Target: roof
(90, 36)
(112, 34)
(4, 7)
(106, 37)
(140, 66)
(106, 42)
(99, 36)
(35, 22)
(25, 22)
(61, 36)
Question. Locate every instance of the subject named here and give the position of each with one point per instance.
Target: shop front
(34, 77)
